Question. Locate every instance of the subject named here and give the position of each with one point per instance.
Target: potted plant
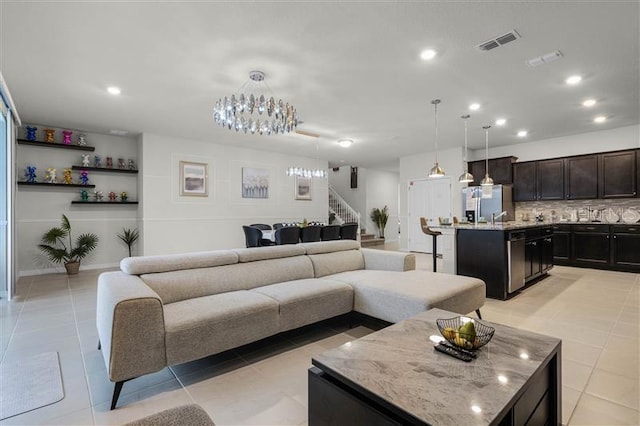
(129, 237)
(380, 218)
(53, 244)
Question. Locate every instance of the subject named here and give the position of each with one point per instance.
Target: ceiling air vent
(499, 41)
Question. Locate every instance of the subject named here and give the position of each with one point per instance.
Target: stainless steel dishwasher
(515, 260)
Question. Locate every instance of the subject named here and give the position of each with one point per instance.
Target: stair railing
(343, 211)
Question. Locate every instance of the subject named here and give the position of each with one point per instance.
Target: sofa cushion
(330, 246)
(174, 262)
(307, 301)
(273, 252)
(204, 326)
(175, 286)
(339, 261)
(396, 296)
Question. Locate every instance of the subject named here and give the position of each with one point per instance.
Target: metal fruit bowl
(450, 330)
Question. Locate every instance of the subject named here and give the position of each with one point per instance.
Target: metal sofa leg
(116, 393)
(478, 313)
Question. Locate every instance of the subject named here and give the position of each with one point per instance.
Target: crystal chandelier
(436, 170)
(302, 172)
(245, 112)
(465, 177)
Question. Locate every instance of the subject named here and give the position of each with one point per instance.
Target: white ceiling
(352, 69)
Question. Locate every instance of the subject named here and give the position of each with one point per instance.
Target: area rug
(30, 383)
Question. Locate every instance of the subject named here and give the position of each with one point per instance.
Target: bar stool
(434, 234)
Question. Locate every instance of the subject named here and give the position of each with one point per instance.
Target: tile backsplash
(603, 209)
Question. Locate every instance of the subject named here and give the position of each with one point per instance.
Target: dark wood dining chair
(253, 237)
(349, 231)
(330, 233)
(287, 235)
(311, 233)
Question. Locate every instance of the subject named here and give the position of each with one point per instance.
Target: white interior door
(428, 198)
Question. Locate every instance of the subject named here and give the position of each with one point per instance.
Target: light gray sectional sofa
(165, 310)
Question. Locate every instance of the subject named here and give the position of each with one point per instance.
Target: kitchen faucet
(494, 216)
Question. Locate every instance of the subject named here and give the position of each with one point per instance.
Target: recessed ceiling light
(428, 54)
(600, 119)
(113, 90)
(574, 79)
(522, 133)
(118, 132)
(501, 121)
(589, 102)
(474, 106)
(345, 143)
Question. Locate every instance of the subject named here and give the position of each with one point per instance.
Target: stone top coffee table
(394, 376)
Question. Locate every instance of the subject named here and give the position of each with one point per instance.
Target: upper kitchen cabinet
(618, 176)
(551, 179)
(500, 170)
(524, 181)
(581, 177)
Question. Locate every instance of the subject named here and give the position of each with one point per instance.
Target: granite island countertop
(498, 226)
(399, 365)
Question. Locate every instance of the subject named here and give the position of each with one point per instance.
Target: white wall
(417, 167)
(39, 208)
(174, 224)
(584, 143)
(382, 190)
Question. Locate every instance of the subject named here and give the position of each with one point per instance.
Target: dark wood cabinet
(524, 181)
(538, 252)
(626, 245)
(590, 244)
(618, 176)
(500, 170)
(581, 177)
(550, 182)
(561, 242)
(546, 253)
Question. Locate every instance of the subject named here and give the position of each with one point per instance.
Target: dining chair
(428, 231)
(253, 237)
(330, 232)
(287, 235)
(310, 233)
(349, 231)
(277, 225)
(262, 226)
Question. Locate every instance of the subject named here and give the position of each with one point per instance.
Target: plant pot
(72, 267)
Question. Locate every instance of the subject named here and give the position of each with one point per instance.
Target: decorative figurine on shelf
(84, 195)
(123, 197)
(66, 137)
(109, 162)
(98, 195)
(131, 164)
(49, 135)
(85, 160)
(31, 133)
(121, 163)
(66, 176)
(84, 177)
(50, 176)
(96, 161)
(82, 139)
(112, 196)
(30, 174)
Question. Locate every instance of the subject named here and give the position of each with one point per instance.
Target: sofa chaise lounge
(159, 311)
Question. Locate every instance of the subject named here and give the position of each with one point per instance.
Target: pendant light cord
(436, 126)
(486, 149)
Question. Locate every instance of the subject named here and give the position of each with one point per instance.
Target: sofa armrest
(388, 260)
(130, 322)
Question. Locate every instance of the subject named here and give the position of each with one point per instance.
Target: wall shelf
(56, 145)
(110, 203)
(104, 169)
(64, 185)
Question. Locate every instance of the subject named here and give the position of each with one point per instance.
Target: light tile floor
(596, 313)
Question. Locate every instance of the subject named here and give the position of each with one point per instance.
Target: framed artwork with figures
(194, 179)
(303, 188)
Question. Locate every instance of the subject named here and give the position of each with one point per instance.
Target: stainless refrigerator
(480, 202)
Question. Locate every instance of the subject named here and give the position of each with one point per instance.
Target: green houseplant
(380, 218)
(129, 237)
(54, 246)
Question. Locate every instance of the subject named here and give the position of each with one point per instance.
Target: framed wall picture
(194, 179)
(255, 183)
(303, 188)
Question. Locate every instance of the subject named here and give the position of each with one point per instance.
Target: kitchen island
(506, 256)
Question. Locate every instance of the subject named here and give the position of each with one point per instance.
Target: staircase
(343, 211)
(370, 240)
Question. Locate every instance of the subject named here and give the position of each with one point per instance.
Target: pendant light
(436, 170)
(487, 179)
(465, 177)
